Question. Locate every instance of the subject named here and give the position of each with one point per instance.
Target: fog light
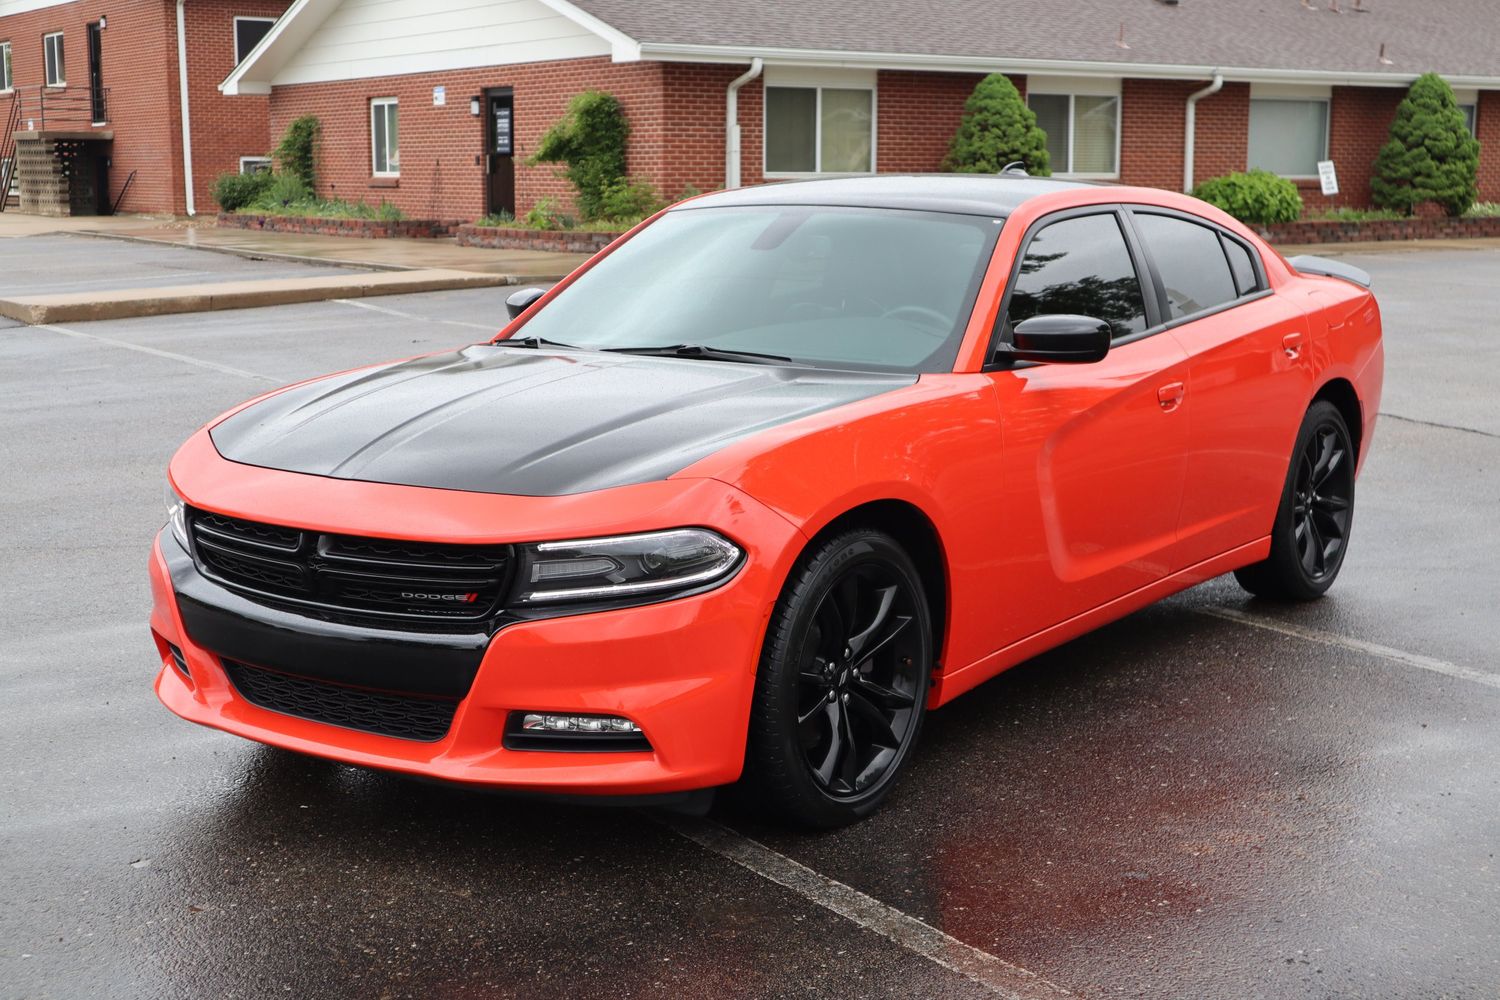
(537, 722)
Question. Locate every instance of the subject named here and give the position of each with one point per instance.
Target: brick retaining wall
(418, 229)
(1417, 228)
(552, 240)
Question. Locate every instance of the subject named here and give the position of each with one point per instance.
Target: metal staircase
(8, 149)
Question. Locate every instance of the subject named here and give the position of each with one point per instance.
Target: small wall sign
(439, 97)
(1328, 177)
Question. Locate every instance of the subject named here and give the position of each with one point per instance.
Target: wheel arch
(919, 536)
(1341, 393)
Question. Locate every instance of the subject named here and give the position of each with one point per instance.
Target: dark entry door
(500, 151)
(96, 75)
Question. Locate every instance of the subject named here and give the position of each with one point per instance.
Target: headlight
(624, 568)
(177, 517)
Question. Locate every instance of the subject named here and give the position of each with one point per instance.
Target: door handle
(1170, 395)
(1292, 344)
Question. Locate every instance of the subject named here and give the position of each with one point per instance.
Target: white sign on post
(439, 97)
(1328, 176)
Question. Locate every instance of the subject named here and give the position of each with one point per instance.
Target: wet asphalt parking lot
(1216, 797)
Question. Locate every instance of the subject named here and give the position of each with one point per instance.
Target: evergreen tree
(997, 128)
(1430, 155)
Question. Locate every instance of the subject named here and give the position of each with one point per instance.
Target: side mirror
(1059, 339)
(520, 301)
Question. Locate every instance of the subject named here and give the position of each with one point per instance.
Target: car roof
(995, 195)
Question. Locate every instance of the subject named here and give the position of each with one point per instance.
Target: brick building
(435, 104)
(94, 93)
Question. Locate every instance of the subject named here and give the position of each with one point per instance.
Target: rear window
(1239, 263)
(1190, 260)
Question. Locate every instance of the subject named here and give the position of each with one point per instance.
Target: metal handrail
(115, 208)
(71, 108)
(8, 150)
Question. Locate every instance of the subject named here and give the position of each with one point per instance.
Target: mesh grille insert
(405, 717)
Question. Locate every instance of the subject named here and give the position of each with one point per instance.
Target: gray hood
(528, 422)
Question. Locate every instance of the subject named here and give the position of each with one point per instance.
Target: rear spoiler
(1330, 269)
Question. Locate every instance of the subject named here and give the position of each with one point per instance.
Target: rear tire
(843, 681)
(1310, 535)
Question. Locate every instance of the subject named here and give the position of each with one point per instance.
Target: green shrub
(590, 140)
(499, 220)
(296, 153)
(997, 129)
(625, 200)
(232, 192)
(1258, 198)
(544, 215)
(1430, 155)
(283, 191)
(1357, 215)
(1484, 210)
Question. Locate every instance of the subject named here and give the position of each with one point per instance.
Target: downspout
(732, 122)
(187, 122)
(1192, 127)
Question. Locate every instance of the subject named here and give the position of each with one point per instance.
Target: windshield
(854, 288)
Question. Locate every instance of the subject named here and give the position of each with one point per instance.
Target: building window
(820, 130)
(384, 137)
(5, 77)
(1083, 132)
(1288, 137)
(248, 31)
(52, 56)
(255, 164)
(1469, 111)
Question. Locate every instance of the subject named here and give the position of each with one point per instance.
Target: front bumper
(682, 670)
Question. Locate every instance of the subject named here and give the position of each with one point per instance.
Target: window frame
(817, 171)
(1147, 278)
(1327, 103)
(7, 70)
(378, 103)
(234, 38)
(264, 160)
(1257, 264)
(1470, 111)
(1072, 96)
(62, 58)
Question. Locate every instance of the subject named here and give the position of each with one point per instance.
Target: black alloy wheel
(843, 683)
(1311, 534)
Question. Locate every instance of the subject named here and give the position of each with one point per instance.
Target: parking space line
(413, 316)
(1356, 645)
(155, 352)
(998, 976)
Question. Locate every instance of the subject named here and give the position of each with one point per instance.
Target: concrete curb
(87, 306)
(285, 258)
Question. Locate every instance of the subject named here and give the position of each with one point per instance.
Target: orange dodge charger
(763, 482)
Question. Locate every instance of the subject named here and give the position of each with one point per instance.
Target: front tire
(843, 681)
(1311, 533)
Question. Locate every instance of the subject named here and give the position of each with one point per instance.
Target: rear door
(1249, 366)
(1094, 453)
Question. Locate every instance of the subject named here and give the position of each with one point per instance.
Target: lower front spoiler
(682, 670)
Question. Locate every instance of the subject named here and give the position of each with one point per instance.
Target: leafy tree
(295, 153)
(1430, 155)
(997, 128)
(590, 140)
(1258, 198)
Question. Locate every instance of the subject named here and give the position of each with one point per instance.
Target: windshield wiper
(703, 351)
(535, 342)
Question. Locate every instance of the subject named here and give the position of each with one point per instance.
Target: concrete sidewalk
(211, 296)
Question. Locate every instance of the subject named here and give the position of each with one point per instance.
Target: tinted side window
(1239, 263)
(1190, 261)
(1080, 266)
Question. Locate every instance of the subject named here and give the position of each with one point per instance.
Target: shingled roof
(1458, 38)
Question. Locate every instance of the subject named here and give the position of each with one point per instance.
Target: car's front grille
(397, 584)
(405, 717)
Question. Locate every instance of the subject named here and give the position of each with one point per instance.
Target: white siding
(366, 38)
(9, 7)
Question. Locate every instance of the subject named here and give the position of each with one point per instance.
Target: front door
(500, 152)
(1095, 453)
(96, 75)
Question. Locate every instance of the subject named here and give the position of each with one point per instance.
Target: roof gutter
(1191, 128)
(732, 123)
(187, 120)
